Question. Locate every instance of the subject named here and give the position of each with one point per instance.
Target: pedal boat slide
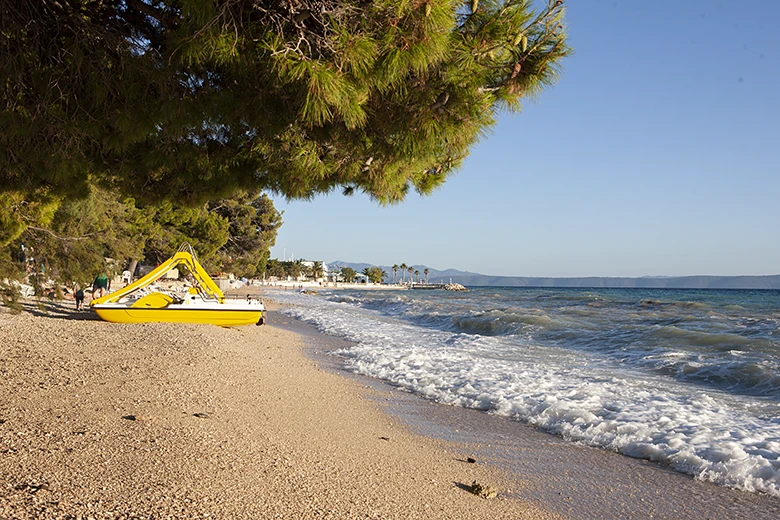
(203, 303)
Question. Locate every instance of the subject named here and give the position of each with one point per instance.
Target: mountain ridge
(645, 282)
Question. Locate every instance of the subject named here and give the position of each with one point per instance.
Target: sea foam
(728, 439)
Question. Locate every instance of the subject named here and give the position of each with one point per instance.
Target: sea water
(688, 378)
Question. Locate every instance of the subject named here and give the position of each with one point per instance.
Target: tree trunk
(131, 268)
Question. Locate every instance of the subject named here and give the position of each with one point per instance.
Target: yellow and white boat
(203, 303)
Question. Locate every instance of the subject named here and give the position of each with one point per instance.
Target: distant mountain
(646, 282)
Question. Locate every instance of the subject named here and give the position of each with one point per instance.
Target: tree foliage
(253, 224)
(317, 270)
(81, 234)
(231, 234)
(293, 269)
(348, 274)
(72, 242)
(374, 274)
(190, 100)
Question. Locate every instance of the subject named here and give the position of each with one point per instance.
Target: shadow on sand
(65, 310)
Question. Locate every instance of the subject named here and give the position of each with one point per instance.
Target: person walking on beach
(101, 284)
(79, 294)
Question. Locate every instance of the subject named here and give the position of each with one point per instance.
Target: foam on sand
(724, 438)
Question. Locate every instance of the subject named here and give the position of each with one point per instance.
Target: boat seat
(154, 300)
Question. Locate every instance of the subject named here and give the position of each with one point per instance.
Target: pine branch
(84, 237)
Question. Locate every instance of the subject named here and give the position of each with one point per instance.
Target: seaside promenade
(331, 286)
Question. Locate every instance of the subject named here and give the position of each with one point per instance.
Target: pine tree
(71, 240)
(190, 100)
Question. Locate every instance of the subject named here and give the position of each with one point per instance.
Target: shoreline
(570, 479)
(111, 420)
(220, 415)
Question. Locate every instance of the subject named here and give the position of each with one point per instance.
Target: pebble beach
(160, 420)
(102, 420)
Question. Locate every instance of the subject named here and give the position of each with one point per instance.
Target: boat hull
(223, 317)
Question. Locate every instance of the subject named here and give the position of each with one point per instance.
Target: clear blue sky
(657, 153)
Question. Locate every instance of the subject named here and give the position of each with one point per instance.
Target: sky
(656, 154)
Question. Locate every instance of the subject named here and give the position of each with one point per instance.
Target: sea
(687, 378)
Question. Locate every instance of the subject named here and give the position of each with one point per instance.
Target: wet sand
(102, 420)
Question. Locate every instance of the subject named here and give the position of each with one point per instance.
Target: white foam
(713, 436)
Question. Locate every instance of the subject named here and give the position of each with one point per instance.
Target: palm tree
(395, 270)
(299, 269)
(404, 267)
(426, 275)
(317, 270)
(411, 271)
(417, 274)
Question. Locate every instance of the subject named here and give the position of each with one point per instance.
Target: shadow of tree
(57, 309)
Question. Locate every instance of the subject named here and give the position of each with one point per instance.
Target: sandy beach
(101, 420)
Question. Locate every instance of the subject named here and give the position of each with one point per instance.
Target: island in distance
(648, 282)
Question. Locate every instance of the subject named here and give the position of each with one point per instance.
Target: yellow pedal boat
(203, 303)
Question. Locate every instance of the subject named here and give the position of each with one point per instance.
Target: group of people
(100, 287)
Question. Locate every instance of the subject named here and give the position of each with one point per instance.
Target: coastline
(110, 420)
(570, 479)
(260, 422)
(316, 286)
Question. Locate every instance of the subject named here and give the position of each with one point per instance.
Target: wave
(614, 331)
(760, 378)
(683, 305)
(630, 405)
(698, 434)
(498, 322)
(722, 341)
